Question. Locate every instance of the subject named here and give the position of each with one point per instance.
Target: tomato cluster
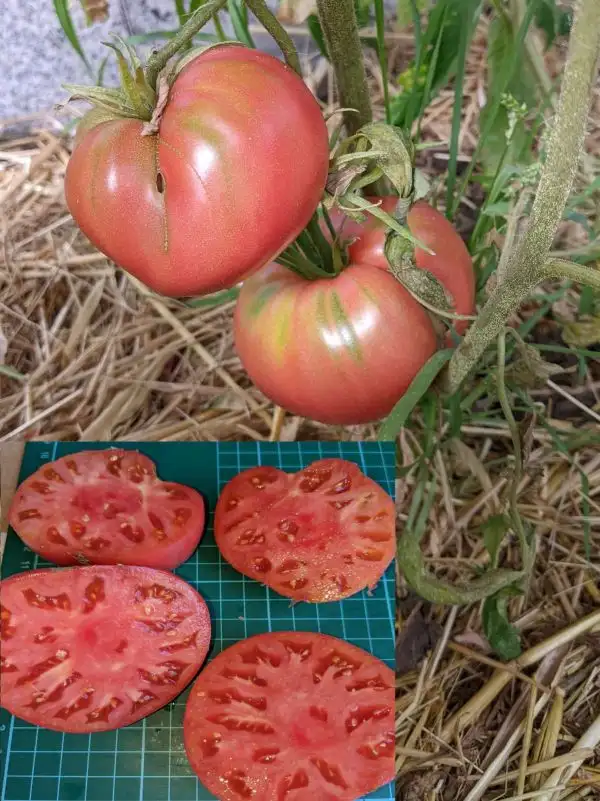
(97, 647)
(225, 179)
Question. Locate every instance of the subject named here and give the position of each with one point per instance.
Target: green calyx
(134, 99)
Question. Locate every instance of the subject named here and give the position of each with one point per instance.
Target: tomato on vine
(223, 178)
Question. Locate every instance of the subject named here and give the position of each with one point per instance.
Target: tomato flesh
(339, 350)
(450, 261)
(292, 716)
(321, 534)
(107, 507)
(90, 649)
(233, 175)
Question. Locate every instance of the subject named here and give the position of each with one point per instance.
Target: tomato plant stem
(526, 264)
(272, 25)
(158, 61)
(340, 28)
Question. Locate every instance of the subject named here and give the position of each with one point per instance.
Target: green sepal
(112, 100)
(95, 116)
(394, 153)
(129, 85)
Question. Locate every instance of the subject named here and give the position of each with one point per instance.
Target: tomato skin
(317, 719)
(340, 350)
(243, 153)
(76, 638)
(107, 507)
(321, 534)
(451, 262)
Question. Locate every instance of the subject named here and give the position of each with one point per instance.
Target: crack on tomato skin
(102, 713)
(330, 773)
(362, 714)
(81, 702)
(385, 747)
(93, 595)
(60, 601)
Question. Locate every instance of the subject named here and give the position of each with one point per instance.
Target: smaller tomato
(450, 263)
(321, 534)
(339, 350)
(107, 507)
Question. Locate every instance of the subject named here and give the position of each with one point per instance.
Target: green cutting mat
(146, 761)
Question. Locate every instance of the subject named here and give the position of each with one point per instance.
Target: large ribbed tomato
(340, 350)
(450, 263)
(233, 175)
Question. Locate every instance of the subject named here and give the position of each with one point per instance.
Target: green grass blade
(382, 53)
(239, 19)
(181, 12)
(466, 34)
(216, 299)
(497, 101)
(61, 7)
(402, 410)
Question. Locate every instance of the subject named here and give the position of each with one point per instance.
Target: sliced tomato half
(91, 649)
(292, 716)
(107, 507)
(321, 534)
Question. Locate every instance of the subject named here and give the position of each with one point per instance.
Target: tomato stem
(272, 25)
(158, 60)
(527, 263)
(340, 29)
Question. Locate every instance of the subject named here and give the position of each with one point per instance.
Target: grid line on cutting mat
(146, 761)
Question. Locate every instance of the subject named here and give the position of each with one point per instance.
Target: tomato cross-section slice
(90, 649)
(292, 716)
(107, 507)
(321, 534)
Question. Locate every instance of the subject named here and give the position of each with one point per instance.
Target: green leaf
(316, 31)
(406, 10)
(382, 54)
(239, 18)
(501, 634)
(397, 418)
(61, 7)
(181, 11)
(216, 299)
(494, 530)
(363, 12)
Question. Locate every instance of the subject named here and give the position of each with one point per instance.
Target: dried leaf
(584, 333)
(95, 10)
